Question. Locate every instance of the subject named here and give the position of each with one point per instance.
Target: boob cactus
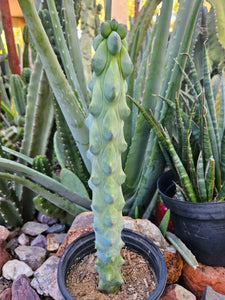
(108, 108)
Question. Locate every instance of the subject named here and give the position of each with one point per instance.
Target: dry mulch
(139, 279)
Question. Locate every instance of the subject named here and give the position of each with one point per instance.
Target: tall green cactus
(26, 41)
(112, 65)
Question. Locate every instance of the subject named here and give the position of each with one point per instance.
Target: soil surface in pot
(139, 279)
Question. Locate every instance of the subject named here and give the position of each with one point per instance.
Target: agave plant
(196, 155)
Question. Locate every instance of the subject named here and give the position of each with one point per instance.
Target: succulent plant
(111, 65)
(196, 155)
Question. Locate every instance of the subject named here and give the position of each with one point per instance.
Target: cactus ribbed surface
(111, 65)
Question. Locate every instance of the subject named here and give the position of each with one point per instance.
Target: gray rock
(45, 219)
(56, 228)
(210, 294)
(33, 256)
(34, 228)
(45, 279)
(152, 232)
(23, 240)
(39, 241)
(54, 240)
(21, 289)
(14, 268)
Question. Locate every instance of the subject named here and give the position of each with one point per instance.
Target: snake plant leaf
(191, 168)
(221, 122)
(221, 195)
(206, 148)
(222, 163)
(201, 179)
(209, 94)
(210, 178)
(182, 249)
(164, 223)
(220, 16)
(182, 173)
(180, 193)
(179, 126)
(164, 138)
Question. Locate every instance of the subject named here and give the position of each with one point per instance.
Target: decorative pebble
(152, 232)
(14, 268)
(4, 233)
(56, 228)
(176, 292)
(54, 240)
(45, 219)
(6, 294)
(33, 256)
(34, 228)
(23, 240)
(39, 241)
(21, 289)
(4, 255)
(45, 279)
(197, 279)
(174, 264)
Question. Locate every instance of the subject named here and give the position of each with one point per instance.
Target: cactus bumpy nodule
(108, 108)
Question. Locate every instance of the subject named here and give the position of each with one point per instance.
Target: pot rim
(153, 254)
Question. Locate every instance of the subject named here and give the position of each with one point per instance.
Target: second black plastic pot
(201, 226)
(137, 242)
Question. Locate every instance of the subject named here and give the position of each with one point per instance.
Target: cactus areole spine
(108, 108)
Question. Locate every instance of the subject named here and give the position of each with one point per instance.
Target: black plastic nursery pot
(201, 226)
(137, 242)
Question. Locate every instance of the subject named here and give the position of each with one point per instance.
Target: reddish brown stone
(176, 292)
(4, 233)
(4, 255)
(174, 264)
(6, 294)
(197, 279)
(21, 289)
(83, 223)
